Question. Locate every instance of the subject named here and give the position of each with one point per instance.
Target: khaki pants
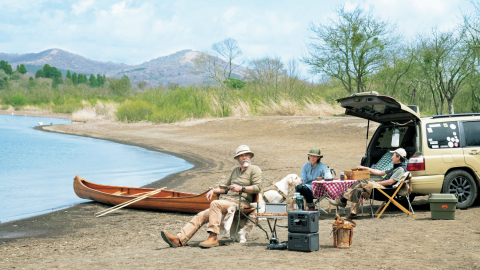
(213, 216)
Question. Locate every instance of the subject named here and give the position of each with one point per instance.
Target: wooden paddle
(116, 207)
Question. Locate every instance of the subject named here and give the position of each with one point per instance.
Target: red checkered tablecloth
(330, 189)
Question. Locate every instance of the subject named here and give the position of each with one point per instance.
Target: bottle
(294, 201)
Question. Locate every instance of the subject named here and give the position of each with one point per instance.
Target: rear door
(378, 108)
(471, 149)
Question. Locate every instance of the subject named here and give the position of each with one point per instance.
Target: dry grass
(98, 111)
(241, 108)
(291, 108)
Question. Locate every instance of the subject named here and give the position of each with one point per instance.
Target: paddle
(116, 207)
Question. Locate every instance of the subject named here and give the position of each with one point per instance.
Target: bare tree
(265, 70)
(349, 47)
(219, 65)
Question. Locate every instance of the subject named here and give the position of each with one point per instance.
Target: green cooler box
(442, 205)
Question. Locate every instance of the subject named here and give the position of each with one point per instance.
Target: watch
(243, 189)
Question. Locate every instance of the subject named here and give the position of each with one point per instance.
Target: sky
(133, 32)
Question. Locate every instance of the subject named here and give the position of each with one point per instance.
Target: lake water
(37, 168)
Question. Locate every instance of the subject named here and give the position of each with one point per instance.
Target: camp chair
(403, 188)
(247, 211)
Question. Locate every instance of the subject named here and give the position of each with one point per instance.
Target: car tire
(462, 184)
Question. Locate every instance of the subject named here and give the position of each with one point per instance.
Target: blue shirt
(310, 174)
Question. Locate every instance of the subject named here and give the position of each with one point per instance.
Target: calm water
(37, 168)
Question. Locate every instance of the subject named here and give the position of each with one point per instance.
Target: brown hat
(243, 149)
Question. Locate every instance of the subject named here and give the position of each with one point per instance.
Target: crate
(355, 174)
(442, 206)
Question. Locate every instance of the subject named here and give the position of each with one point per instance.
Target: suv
(443, 151)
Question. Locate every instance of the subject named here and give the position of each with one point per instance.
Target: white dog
(275, 194)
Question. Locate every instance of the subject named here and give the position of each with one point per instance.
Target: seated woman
(310, 171)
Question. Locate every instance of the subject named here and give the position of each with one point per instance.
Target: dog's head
(294, 180)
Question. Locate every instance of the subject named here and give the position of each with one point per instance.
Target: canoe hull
(166, 200)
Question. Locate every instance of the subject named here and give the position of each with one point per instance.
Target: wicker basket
(355, 174)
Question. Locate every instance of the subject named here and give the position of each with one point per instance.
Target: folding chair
(245, 212)
(388, 195)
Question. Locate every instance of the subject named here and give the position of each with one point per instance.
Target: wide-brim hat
(401, 152)
(243, 149)
(315, 152)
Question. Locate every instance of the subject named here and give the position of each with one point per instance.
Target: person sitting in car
(390, 178)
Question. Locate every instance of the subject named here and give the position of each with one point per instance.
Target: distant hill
(173, 68)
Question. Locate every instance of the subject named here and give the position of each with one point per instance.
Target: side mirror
(396, 138)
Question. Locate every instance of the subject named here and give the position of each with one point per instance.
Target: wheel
(462, 184)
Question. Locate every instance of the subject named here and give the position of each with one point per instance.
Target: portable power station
(303, 241)
(303, 221)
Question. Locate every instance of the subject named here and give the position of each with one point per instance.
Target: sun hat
(315, 152)
(243, 149)
(401, 152)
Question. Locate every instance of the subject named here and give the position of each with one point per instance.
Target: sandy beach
(74, 239)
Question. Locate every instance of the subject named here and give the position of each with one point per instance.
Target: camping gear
(355, 174)
(303, 221)
(167, 200)
(299, 201)
(442, 205)
(342, 232)
(303, 242)
(403, 188)
(275, 208)
(329, 174)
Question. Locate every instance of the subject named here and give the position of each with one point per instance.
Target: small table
(329, 189)
(275, 216)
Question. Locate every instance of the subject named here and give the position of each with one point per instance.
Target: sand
(73, 239)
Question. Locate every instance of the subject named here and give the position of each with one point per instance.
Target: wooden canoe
(166, 200)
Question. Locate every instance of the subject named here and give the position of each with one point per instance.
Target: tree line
(361, 52)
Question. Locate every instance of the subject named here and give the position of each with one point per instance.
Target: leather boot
(212, 241)
(172, 240)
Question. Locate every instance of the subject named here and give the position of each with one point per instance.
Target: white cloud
(119, 7)
(82, 6)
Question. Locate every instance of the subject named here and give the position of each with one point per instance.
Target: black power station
(303, 230)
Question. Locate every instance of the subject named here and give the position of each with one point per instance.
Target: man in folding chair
(245, 179)
(363, 188)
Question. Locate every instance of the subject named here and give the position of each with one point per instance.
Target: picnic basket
(355, 174)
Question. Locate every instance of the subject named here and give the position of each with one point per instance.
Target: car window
(443, 135)
(385, 138)
(472, 133)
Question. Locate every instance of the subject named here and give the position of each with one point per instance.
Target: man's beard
(245, 163)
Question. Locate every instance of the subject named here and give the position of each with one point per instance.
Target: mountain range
(173, 68)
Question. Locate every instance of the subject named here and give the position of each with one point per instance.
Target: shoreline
(173, 180)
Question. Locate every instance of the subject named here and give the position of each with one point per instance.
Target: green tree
(6, 67)
(350, 47)
(119, 87)
(22, 69)
(447, 61)
(47, 71)
(93, 81)
(100, 80)
(31, 82)
(39, 74)
(68, 76)
(17, 100)
(74, 78)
